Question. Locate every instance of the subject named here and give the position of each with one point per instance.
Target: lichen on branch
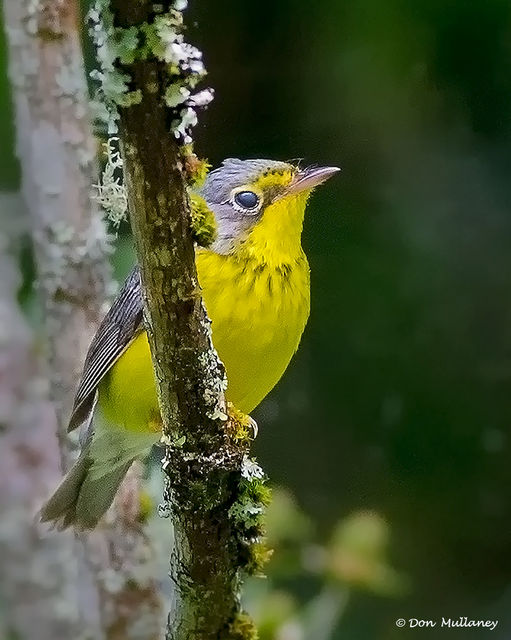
(110, 193)
(159, 38)
(215, 493)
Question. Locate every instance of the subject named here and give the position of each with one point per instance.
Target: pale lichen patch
(160, 39)
(110, 191)
(250, 470)
(67, 248)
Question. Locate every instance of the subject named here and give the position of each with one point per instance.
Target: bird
(255, 284)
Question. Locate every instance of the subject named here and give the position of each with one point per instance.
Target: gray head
(239, 193)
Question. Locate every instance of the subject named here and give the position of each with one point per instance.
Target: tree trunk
(213, 490)
(38, 573)
(58, 157)
(107, 584)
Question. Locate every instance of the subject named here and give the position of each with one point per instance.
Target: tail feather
(89, 488)
(82, 499)
(96, 496)
(61, 507)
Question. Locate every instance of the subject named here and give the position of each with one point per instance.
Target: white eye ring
(246, 201)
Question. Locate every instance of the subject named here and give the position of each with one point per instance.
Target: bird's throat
(276, 238)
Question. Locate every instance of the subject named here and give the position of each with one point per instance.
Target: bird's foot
(243, 426)
(253, 427)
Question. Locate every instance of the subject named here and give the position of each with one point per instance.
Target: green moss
(195, 168)
(239, 425)
(248, 514)
(242, 628)
(151, 44)
(125, 44)
(258, 491)
(176, 95)
(204, 227)
(259, 554)
(158, 35)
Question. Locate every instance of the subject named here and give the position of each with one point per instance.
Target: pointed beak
(311, 177)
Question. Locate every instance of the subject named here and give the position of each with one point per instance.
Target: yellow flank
(258, 300)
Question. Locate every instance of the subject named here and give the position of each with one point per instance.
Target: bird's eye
(247, 200)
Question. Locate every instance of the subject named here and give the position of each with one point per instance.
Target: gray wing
(120, 325)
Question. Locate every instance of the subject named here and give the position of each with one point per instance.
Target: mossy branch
(215, 494)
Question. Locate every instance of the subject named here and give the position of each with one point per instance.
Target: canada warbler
(255, 284)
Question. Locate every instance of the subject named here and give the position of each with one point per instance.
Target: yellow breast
(258, 315)
(258, 300)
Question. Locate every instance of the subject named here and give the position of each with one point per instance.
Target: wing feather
(120, 325)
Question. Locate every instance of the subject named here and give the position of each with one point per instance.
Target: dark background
(399, 398)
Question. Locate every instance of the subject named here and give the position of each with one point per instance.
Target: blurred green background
(399, 399)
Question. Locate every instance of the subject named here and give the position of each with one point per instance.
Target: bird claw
(252, 424)
(244, 425)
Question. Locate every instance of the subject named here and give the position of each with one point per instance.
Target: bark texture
(102, 586)
(38, 572)
(204, 461)
(58, 156)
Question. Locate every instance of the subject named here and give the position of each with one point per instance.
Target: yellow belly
(258, 314)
